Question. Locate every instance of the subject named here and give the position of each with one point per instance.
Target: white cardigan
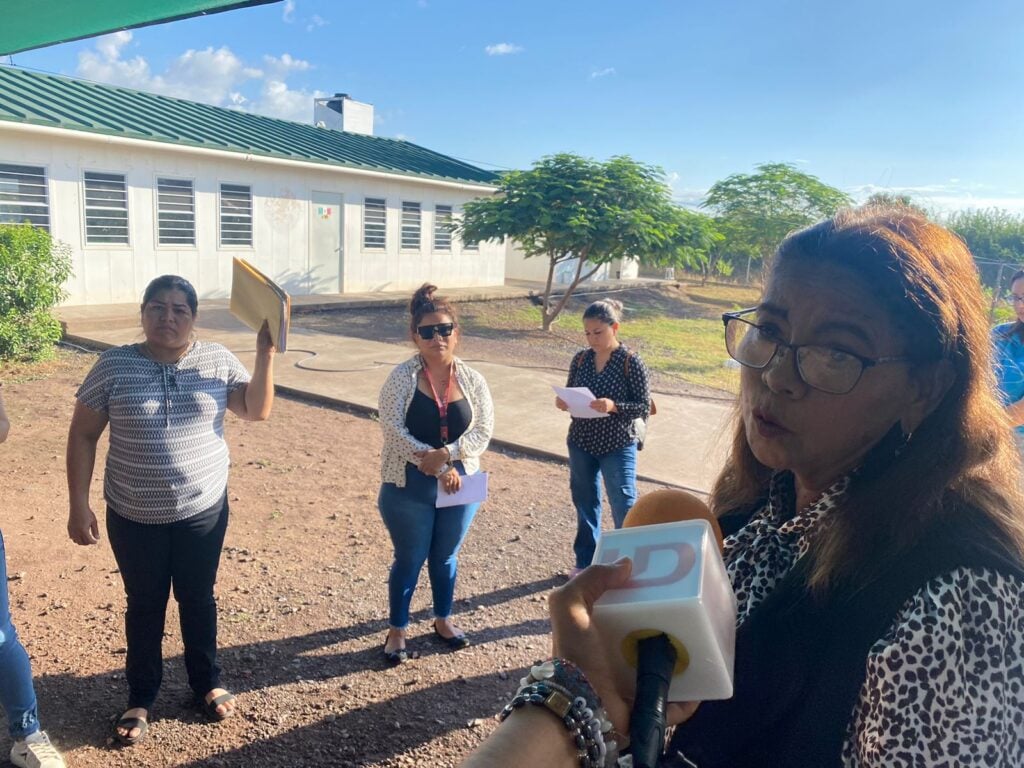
(399, 445)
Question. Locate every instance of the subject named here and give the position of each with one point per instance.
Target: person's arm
(475, 440)
(86, 427)
(522, 739)
(5, 423)
(637, 384)
(391, 404)
(254, 400)
(530, 736)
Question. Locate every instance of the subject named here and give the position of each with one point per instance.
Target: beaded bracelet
(562, 688)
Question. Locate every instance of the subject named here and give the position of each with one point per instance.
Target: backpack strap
(577, 361)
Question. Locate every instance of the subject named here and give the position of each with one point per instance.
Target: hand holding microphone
(670, 628)
(574, 637)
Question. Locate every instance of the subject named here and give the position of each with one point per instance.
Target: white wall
(281, 212)
(535, 268)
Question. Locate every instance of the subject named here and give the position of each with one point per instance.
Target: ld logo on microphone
(678, 586)
(655, 565)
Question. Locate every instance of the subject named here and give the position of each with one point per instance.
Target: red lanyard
(442, 404)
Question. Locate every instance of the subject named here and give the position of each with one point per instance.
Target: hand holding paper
(579, 399)
(473, 490)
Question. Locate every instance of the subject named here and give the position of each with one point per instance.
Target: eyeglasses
(823, 368)
(1013, 298)
(444, 330)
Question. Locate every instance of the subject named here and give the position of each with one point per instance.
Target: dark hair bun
(423, 298)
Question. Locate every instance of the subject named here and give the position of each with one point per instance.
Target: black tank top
(424, 422)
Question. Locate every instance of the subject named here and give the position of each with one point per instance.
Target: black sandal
(128, 724)
(455, 642)
(210, 707)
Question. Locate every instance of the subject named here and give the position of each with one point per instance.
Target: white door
(325, 253)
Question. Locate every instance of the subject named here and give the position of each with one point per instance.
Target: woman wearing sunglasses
(1008, 340)
(875, 529)
(437, 419)
(604, 446)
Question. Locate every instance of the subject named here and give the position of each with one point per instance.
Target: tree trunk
(544, 319)
(550, 314)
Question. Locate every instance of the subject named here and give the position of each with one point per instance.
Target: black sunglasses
(444, 330)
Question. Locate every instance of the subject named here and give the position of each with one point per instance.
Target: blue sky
(922, 97)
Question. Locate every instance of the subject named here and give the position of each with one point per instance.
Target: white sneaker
(36, 751)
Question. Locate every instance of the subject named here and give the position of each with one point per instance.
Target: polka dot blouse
(945, 683)
(631, 395)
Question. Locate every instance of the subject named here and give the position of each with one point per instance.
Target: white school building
(140, 185)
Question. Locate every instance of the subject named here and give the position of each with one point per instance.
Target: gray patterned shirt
(167, 459)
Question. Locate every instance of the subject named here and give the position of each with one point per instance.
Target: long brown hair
(960, 461)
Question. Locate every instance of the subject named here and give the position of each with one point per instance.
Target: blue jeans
(422, 533)
(17, 696)
(585, 470)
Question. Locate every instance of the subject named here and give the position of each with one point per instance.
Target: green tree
(992, 234)
(33, 269)
(570, 207)
(757, 210)
(895, 200)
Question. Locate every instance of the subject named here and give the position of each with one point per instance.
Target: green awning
(27, 24)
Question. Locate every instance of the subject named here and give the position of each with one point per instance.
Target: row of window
(23, 197)
(375, 226)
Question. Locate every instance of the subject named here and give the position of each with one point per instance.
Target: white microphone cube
(678, 586)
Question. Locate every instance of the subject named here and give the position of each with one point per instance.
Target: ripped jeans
(17, 696)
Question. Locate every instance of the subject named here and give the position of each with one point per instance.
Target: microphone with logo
(672, 625)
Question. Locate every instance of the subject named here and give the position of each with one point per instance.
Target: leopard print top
(945, 683)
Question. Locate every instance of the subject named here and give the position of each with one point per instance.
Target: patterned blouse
(399, 445)
(167, 460)
(631, 395)
(945, 683)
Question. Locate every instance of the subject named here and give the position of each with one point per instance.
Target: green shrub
(33, 269)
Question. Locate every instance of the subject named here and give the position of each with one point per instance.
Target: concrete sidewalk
(684, 446)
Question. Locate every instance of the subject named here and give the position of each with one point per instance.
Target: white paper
(472, 490)
(579, 399)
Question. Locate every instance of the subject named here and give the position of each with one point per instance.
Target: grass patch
(728, 297)
(692, 349)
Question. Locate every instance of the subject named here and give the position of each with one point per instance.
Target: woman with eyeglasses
(874, 529)
(165, 485)
(605, 446)
(1008, 340)
(437, 418)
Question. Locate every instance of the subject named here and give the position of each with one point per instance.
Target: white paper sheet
(472, 490)
(579, 399)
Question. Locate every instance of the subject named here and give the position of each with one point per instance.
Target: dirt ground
(302, 597)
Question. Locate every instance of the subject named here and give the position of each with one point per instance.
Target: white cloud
(288, 11)
(954, 195)
(315, 22)
(213, 76)
(602, 72)
(503, 49)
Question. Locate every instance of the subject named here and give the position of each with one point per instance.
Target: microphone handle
(656, 658)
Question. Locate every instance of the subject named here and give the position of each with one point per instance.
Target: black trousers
(153, 558)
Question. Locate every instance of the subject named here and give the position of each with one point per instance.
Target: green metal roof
(62, 102)
(31, 24)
